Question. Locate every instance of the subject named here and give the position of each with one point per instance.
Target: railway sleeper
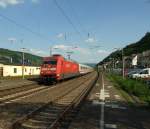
(32, 123)
(39, 118)
(55, 106)
(48, 113)
(42, 119)
(26, 126)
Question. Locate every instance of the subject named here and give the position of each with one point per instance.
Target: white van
(145, 73)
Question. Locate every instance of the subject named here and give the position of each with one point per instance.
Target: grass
(132, 87)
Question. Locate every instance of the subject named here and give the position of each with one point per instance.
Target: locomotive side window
(52, 62)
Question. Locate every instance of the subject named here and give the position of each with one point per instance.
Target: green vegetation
(133, 87)
(134, 48)
(15, 58)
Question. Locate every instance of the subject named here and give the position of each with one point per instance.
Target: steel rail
(22, 91)
(18, 123)
(76, 102)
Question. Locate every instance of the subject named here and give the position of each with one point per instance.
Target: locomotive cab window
(52, 62)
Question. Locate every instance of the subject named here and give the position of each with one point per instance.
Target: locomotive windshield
(52, 62)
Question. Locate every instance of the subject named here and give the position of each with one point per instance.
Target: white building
(11, 70)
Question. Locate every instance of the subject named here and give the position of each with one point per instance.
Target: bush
(134, 87)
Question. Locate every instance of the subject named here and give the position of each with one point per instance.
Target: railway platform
(107, 108)
(88, 116)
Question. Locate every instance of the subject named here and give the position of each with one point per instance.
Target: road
(106, 108)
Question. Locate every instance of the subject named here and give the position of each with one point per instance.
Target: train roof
(85, 65)
(58, 56)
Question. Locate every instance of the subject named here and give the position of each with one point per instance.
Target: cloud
(72, 48)
(5, 3)
(104, 52)
(81, 54)
(12, 40)
(82, 50)
(90, 40)
(60, 35)
(36, 52)
(62, 47)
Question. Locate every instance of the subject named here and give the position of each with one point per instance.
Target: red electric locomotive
(57, 68)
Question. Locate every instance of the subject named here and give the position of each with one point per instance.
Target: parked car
(131, 73)
(145, 73)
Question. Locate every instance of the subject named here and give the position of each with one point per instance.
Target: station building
(15, 70)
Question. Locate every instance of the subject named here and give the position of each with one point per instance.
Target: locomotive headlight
(58, 74)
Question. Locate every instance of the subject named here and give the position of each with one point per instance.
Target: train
(56, 68)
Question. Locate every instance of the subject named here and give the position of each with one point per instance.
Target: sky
(89, 29)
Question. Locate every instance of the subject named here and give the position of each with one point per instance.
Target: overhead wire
(67, 18)
(77, 17)
(23, 27)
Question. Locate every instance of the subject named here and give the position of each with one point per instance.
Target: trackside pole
(102, 99)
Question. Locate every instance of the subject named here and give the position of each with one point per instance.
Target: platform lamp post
(111, 64)
(123, 62)
(23, 49)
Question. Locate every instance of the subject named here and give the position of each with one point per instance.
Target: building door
(1, 71)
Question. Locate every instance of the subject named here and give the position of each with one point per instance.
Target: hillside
(134, 48)
(15, 58)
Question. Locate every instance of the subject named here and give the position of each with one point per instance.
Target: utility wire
(67, 17)
(77, 17)
(23, 26)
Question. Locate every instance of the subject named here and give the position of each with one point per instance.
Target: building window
(15, 70)
(25, 70)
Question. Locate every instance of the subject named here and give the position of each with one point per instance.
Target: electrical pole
(51, 51)
(22, 62)
(69, 54)
(123, 64)
(113, 64)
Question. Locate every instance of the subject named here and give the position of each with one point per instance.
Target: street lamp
(123, 62)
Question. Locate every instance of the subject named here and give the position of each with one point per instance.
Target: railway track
(13, 94)
(7, 91)
(52, 114)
